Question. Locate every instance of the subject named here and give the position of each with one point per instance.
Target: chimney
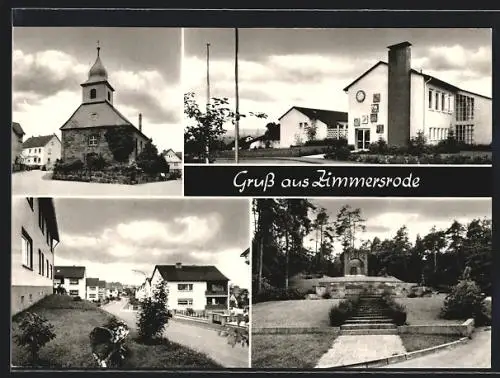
(178, 265)
(140, 122)
(399, 93)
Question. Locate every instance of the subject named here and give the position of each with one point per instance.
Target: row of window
(464, 108)
(44, 266)
(185, 302)
(438, 133)
(35, 150)
(464, 133)
(440, 101)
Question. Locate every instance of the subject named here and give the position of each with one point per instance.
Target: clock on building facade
(360, 96)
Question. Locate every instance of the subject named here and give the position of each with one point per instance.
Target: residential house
(394, 102)
(34, 236)
(85, 131)
(174, 160)
(73, 279)
(144, 291)
(16, 143)
(101, 290)
(93, 289)
(42, 150)
(198, 287)
(296, 125)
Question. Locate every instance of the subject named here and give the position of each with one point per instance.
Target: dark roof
(17, 129)
(179, 155)
(398, 45)
(101, 284)
(47, 205)
(328, 117)
(92, 281)
(38, 141)
(431, 79)
(191, 273)
(69, 272)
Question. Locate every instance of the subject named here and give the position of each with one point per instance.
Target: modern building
(296, 125)
(174, 160)
(193, 286)
(42, 150)
(85, 131)
(92, 289)
(16, 143)
(394, 102)
(34, 236)
(73, 279)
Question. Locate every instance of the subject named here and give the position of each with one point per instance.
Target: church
(85, 131)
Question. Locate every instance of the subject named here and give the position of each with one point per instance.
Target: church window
(93, 93)
(93, 140)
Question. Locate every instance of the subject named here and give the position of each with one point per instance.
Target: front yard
(425, 310)
(74, 320)
(289, 351)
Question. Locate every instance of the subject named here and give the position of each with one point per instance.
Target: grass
(418, 342)
(426, 310)
(294, 313)
(73, 321)
(289, 351)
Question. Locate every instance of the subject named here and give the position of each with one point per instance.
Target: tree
(312, 130)
(207, 127)
(150, 161)
(153, 314)
(36, 331)
(324, 238)
(272, 131)
(121, 142)
(478, 252)
(347, 224)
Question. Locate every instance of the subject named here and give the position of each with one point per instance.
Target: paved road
(476, 353)
(201, 339)
(285, 161)
(38, 183)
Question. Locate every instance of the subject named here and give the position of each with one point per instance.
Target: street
(39, 184)
(201, 339)
(476, 353)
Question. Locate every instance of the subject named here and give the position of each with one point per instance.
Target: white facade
(93, 293)
(32, 254)
(293, 128)
(173, 161)
(75, 287)
(432, 111)
(43, 155)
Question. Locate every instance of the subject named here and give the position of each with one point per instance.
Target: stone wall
(339, 290)
(107, 177)
(465, 329)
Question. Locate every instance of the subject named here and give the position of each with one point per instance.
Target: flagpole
(237, 121)
(207, 148)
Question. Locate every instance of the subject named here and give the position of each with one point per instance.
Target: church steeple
(97, 87)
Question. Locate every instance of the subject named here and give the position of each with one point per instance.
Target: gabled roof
(101, 284)
(47, 205)
(429, 78)
(69, 271)
(328, 117)
(190, 273)
(18, 130)
(179, 155)
(38, 141)
(173, 158)
(92, 282)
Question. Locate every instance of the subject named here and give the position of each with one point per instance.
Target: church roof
(98, 72)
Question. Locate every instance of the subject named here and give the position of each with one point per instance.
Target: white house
(394, 102)
(144, 291)
(101, 293)
(34, 236)
(73, 279)
(17, 136)
(92, 289)
(198, 287)
(173, 160)
(296, 123)
(41, 150)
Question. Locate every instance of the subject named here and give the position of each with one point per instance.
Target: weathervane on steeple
(98, 48)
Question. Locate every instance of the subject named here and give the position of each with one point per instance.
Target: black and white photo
(130, 283)
(96, 111)
(338, 96)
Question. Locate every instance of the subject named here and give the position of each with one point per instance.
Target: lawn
(306, 285)
(73, 322)
(417, 342)
(289, 351)
(295, 313)
(425, 310)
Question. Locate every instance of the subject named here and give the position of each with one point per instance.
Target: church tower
(97, 87)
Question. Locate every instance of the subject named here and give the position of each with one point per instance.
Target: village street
(39, 183)
(201, 339)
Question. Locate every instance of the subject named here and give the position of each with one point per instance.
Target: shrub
(36, 331)
(394, 310)
(412, 294)
(95, 162)
(465, 301)
(271, 293)
(379, 147)
(153, 316)
(343, 311)
(120, 141)
(77, 298)
(326, 295)
(189, 311)
(68, 167)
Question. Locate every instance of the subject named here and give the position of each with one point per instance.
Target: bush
(343, 311)
(379, 147)
(271, 293)
(153, 316)
(36, 331)
(68, 167)
(394, 310)
(326, 295)
(465, 301)
(189, 311)
(77, 298)
(95, 162)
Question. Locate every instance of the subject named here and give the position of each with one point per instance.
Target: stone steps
(366, 321)
(352, 332)
(367, 326)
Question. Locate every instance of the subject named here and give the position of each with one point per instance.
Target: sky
(281, 68)
(114, 237)
(384, 216)
(143, 65)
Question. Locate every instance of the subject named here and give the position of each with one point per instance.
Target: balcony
(216, 293)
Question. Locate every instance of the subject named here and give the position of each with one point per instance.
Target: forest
(296, 236)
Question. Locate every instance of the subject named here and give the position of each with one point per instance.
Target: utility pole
(237, 121)
(207, 142)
